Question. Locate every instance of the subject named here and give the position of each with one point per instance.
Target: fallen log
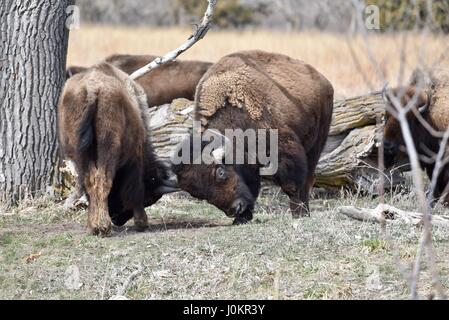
(385, 213)
(348, 160)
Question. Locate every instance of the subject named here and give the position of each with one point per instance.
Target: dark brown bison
(430, 103)
(177, 79)
(101, 129)
(255, 90)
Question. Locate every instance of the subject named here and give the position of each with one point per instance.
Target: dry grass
(192, 251)
(329, 53)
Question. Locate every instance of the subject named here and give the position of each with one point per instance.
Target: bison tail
(86, 132)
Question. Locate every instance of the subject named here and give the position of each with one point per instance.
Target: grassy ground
(192, 251)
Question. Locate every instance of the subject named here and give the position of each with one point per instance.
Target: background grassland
(328, 52)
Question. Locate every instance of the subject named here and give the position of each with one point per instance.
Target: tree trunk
(33, 50)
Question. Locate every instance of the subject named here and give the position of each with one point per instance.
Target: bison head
(204, 175)
(418, 102)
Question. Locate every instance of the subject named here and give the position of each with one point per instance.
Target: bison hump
(239, 88)
(260, 84)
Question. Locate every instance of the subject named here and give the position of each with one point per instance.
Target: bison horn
(166, 190)
(171, 183)
(219, 153)
(168, 186)
(219, 134)
(425, 107)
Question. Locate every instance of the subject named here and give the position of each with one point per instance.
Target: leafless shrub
(395, 107)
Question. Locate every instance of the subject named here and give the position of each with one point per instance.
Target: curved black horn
(166, 190)
(171, 183)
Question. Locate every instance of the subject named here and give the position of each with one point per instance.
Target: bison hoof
(301, 213)
(239, 221)
(243, 219)
(101, 229)
(141, 225)
(299, 209)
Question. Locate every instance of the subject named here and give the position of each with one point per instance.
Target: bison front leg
(293, 174)
(299, 204)
(98, 184)
(299, 198)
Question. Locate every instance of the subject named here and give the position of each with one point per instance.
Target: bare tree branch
(394, 107)
(197, 35)
(439, 161)
(391, 214)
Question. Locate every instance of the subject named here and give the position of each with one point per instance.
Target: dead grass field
(328, 52)
(191, 250)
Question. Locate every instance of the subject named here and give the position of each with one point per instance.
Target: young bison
(177, 79)
(431, 102)
(101, 129)
(260, 90)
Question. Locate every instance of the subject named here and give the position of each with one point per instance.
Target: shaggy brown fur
(435, 87)
(260, 90)
(174, 80)
(101, 129)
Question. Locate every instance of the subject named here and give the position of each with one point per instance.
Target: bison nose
(238, 207)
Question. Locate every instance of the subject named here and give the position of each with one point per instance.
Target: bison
(254, 90)
(177, 79)
(102, 130)
(429, 101)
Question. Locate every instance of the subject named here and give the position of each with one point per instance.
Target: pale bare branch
(391, 214)
(395, 108)
(197, 35)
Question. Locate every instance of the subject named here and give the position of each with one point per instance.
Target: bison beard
(259, 90)
(102, 130)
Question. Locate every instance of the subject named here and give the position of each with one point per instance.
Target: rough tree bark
(33, 47)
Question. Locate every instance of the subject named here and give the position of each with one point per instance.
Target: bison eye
(220, 173)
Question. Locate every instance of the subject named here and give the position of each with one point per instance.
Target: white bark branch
(197, 35)
(387, 213)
